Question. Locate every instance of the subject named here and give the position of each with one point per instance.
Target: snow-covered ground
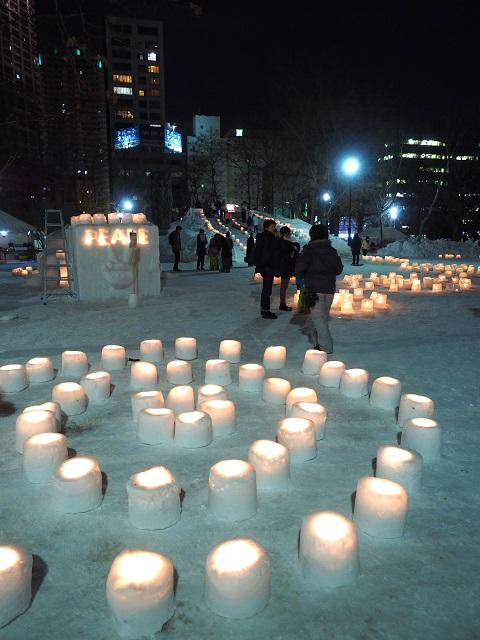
(424, 585)
(425, 248)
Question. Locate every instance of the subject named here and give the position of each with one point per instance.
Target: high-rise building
(76, 141)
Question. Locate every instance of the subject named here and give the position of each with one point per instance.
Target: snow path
(425, 585)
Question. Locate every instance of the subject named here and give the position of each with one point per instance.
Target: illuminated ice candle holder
(223, 416)
(386, 393)
(328, 550)
(401, 465)
(414, 406)
(74, 364)
(274, 358)
(424, 436)
(393, 287)
(427, 282)
(416, 285)
(313, 361)
(232, 490)
(181, 399)
(146, 400)
(114, 357)
(186, 348)
(331, 373)
(179, 372)
(230, 350)
(354, 383)
(40, 370)
(271, 462)
(97, 386)
(358, 293)
(155, 425)
(299, 394)
(113, 218)
(210, 392)
(143, 376)
(218, 372)
(31, 423)
(369, 285)
(42, 454)
(380, 301)
(140, 592)
(15, 582)
(366, 306)
(13, 378)
(380, 507)
(437, 287)
(298, 435)
(99, 218)
(53, 407)
(193, 429)
(314, 412)
(151, 351)
(77, 486)
(153, 499)
(276, 390)
(71, 397)
(250, 378)
(237, 578)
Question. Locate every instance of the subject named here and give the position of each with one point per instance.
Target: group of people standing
(219, 251)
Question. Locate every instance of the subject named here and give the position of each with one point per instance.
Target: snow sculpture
(331, 373)
(193, 429)
(276, 390)
(271, 462)
(218, 372)
(329, 549)
(31, 423)
(400, 465)
(143, 376)
(97, 386)
(40, 370)
(250, 378)
(299, 394)
(155, 425)
(179, 372)
(424, 436)
(77, 486)
(354, 383)
(74, 364)
(314, 412)
(153, 499)
(15, 582)
(380, 507)
(42, 454)
(223, 416)
(232, 490)
(386, 393)
(298, 435)
(13, 378)
(71, 397)
(237, 578)
(140, 592)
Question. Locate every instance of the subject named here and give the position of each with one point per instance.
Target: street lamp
(393, 211)
(326, 198)
(350, 167)
(126, 205)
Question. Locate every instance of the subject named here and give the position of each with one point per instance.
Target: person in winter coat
(286, 258)
(365, 245)
(355, 246)
(319, 265)
(176, 243)
(213, 253)
(249, 256)
(266, 263)
(227, 252)
(201, 250)
(249, 222)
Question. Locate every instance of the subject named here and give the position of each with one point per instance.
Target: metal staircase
(58, 272)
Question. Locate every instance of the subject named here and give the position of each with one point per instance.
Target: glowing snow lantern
(186, 348)
(218, 372)
(15, 582)
(114, 357)
(77, 486)
(179, 372)
(97, 386)
(331, 373)
(275, 390)
(400, 465)
(414, 406)
(298, 435)
(40, 370)
(380, 507)
(250, 377)
(424, 436)
(13, 378)
(74, 364)
(271, 462)
(354, 383)
(232, 490)
(151, 351)
(274, 358)
(42, 454)
(153, 499)
(71, 397)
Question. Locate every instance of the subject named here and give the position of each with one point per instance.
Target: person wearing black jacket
(227, 252)
(355, 246)
(249, 256)
(266, 263)
(318, 265)
(287, 256)
(201, 250)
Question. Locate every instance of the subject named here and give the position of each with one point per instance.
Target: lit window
(153, 68)
(124, 114)
(141, 93)
(464, 157)
(125, 91)
(152, 56)
(126, 78)
(238, 133)
(154, 92)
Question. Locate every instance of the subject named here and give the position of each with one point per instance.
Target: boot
(268, 315)
(284, 307)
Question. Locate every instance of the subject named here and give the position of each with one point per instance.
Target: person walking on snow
(266, 263)
(318, 265)
(176, 243)
(201, 250)
(355, 246)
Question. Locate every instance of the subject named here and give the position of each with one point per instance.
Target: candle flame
(396, 454)
(330, 526)
(388, 380)
(138, 568)
(38, 361)
(68, 386)
(11, 367)
(39, 415)
(424, 422)
(191, 417)
(268, 449)
(230, 468)
(295, 425)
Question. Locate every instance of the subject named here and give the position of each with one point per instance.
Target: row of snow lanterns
(23, 272)
(237, 576)
(110, 218)
(224, 227)
(395, 260)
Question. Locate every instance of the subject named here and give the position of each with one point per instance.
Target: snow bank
(425, 248)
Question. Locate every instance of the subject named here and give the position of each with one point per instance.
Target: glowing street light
(326, 197)
(350, 167)
(126, 205)
(393, 212)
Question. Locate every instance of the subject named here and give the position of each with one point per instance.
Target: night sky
(396, 67)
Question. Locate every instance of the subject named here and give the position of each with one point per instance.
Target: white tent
(13, 230)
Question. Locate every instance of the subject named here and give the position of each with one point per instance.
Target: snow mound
(425, 248)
